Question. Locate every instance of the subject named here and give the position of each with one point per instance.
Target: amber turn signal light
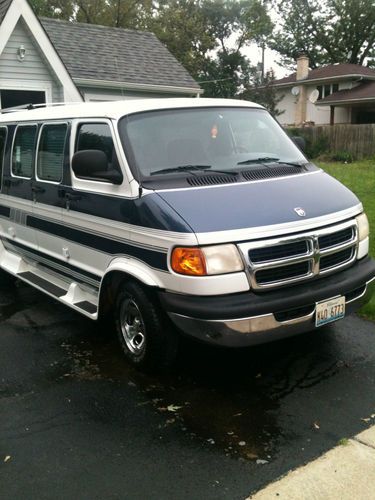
(189, 261)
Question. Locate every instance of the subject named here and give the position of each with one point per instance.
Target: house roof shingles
(103, 53)
(4, 6)
(330, 71)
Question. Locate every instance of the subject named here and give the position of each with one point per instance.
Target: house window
(51, 152)
(326, 90)
(23, 151)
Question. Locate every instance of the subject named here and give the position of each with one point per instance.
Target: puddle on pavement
(225, 398)
(205, 397)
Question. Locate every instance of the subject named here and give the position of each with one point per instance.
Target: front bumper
(253, 318)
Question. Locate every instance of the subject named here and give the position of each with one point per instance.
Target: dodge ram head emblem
(300, 211)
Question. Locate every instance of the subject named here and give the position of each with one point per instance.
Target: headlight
(363, 226)
(206, 261)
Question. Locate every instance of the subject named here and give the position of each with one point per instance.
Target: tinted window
(23, 151)
(98, 136)
(3, 136)
(51, 152)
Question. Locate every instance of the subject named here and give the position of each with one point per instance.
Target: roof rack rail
(17, 108)
(30, 106)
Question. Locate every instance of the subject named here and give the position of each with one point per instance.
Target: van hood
(260, 203)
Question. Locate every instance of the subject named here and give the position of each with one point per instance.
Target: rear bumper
(253, 318)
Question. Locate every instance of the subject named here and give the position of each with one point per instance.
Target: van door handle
(69, 197)
(37, 189)
(72, 197)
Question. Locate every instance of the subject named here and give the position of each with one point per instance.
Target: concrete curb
(346, 472)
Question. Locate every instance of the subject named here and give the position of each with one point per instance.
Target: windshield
(186, 140)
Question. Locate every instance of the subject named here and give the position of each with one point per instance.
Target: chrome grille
(335, 259)
(278, 252)
(330, 240)
(276, 262)
(281, 273)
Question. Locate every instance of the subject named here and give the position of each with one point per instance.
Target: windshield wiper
(191, 169)
(258, 160)
(268, 159)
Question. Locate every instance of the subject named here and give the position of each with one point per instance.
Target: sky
(254, 53)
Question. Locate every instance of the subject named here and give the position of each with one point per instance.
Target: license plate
(329, 311)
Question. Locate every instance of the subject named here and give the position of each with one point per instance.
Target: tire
(147, 338)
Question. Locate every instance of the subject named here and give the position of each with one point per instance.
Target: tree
(327, 31)
(185, 28)
(234, 24)
(61, 9)
(133, 14)
(207, 37)
(262, 91)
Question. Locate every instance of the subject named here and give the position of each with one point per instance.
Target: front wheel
(147, 339)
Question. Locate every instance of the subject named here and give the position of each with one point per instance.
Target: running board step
(75, 295)
(49, 287)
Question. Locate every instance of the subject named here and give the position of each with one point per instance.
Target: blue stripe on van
(153, 258)
(37, 255)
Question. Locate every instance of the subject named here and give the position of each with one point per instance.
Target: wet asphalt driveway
(77, 423)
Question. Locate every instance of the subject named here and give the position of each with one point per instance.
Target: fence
(358, 140)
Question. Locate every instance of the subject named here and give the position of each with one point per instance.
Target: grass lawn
(359, 177)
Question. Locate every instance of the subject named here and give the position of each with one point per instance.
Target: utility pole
(263, 47)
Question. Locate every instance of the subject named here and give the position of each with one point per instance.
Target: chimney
(302, 67)
(302, 74)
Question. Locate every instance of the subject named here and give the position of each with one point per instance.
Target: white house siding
(320, 115)
(94, 94)
(33, 72)
(287, 103)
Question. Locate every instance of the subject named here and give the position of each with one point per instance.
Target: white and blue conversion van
(198, 216)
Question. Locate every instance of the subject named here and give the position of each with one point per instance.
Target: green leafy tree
(261, 91)
(185, 28)
(207, 37)
(327, 31)
(61, 9)
(133, 14)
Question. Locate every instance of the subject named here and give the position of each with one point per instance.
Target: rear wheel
(147, 339)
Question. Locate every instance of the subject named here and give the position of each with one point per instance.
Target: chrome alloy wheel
(132, 327)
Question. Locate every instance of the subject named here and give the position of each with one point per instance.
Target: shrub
(314, 148)
(342, 156)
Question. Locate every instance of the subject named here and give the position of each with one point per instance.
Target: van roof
(115, 109)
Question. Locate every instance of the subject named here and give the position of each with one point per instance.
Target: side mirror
(92, 164)
(299, 142)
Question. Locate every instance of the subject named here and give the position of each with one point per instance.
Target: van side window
(98, 136)
(3, 138)
(51, 148)
(23, 151)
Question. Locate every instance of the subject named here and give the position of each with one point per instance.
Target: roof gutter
(312, 80)
(350, 101)
(141, 87)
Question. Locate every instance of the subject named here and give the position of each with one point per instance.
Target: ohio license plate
(329, 311)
